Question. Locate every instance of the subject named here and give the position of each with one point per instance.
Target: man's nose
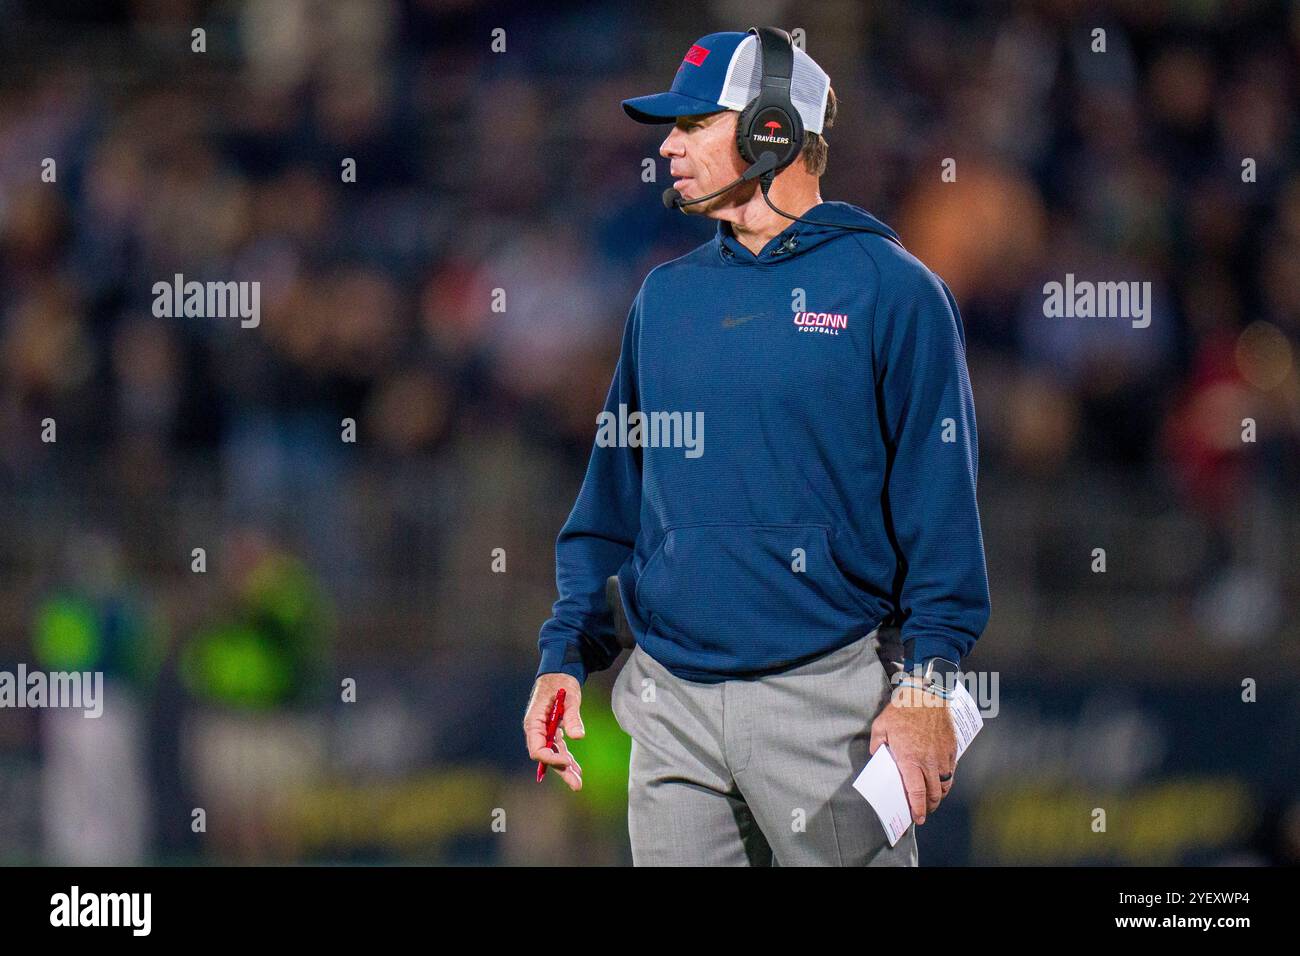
(672, 145)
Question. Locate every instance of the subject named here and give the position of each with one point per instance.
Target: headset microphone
(766, 163)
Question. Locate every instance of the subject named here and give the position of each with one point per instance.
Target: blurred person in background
(770, 687)
(257, 677)
(97, 804)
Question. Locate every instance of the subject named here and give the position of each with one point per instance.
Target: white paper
(966, 719)
(882, 783)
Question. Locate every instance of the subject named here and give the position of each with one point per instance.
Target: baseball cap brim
(666, 107)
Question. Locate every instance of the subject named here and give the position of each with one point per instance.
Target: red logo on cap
(695, 55)
(772, 124)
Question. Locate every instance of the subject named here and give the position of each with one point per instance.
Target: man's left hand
(919, 732)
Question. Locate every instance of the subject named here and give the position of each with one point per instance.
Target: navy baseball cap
(723, 71)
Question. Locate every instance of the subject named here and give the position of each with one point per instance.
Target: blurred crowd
(494, 166)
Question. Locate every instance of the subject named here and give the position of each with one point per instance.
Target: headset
(769, 132)
(770, 123)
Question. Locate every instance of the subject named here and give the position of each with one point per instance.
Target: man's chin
(702, 208)
(738, 195)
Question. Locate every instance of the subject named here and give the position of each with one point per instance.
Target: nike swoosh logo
(730, 323)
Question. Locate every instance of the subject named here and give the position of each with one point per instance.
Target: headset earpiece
(770, 123)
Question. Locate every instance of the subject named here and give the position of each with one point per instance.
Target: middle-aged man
(824, 500)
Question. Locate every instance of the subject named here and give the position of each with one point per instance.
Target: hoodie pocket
(759, 594)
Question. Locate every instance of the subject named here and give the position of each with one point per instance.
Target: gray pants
(755, 772)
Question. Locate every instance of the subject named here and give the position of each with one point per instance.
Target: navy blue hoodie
(834, 487)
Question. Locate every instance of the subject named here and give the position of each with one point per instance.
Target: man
(829, 499)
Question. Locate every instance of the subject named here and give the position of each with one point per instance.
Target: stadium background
(517, 170)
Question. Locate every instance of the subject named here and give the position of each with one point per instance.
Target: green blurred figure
(273, 649)
(96, 806)
(260, 679)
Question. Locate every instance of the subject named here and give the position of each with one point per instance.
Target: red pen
(552, 723)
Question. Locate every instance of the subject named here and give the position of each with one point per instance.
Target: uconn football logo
(827, 323)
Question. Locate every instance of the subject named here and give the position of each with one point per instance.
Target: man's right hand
(539, 708)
